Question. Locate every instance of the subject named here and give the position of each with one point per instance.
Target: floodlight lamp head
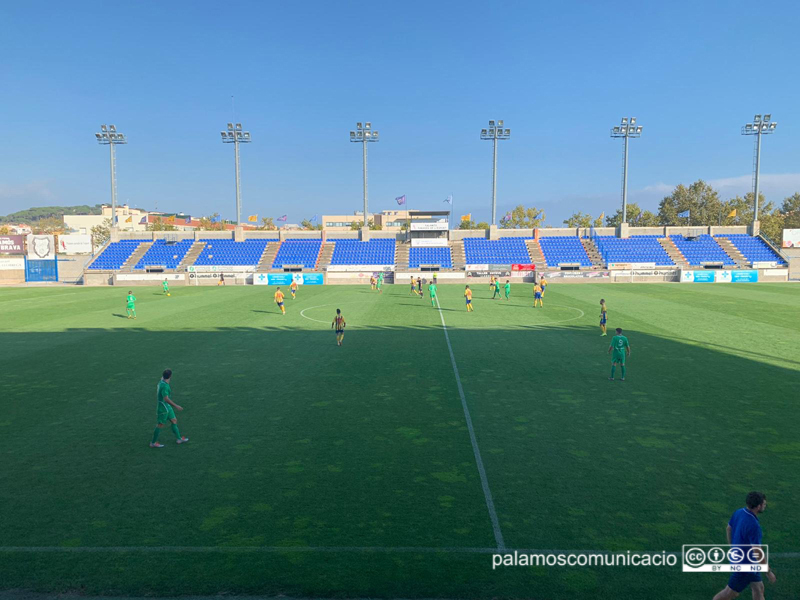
(491, 123)
(112, 127)
(224, 134)
(484, 131)
(773, 125)
(748, 127)
(508, 132)
(358, 126)
(103, 128)
(624, 120)
(500, 123)
(374, 136)
(98, 136)
(367, 125)
(633, 120)
(230, 126)
(767, 118)
(757, 119)
(639, 129)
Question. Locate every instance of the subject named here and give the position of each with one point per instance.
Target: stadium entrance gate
(41, 270)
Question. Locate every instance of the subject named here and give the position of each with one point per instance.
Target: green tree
(160, 225)
(523, 218)
(4, 230)
(467, 225)
(636, 217)
(101, 234)
(211, 224)
(790, 209)
(267, 224)
(772, 219)
(48, 225)
(700, 199)
(482, 225)
(31, 215)
(580, 219)
(359, 224)
(306, 224)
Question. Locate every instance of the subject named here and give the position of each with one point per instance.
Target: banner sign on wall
(74, 244)
(436, 226)
(149, 276)
(428, 242)
(12, 244)
(578, 275)
(287, 278)
(12, 264)
(523, 267)
(41, 247)
(697, 277)
(791, 238)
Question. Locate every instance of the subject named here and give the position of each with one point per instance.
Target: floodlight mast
(760, 126)
(363, 134)
(235, 135)
(109, 136)
(495, 132)
(627, 129)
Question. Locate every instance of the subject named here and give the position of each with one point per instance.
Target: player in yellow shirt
(543, 283)
(372, 282)
(603, 318)
(293, 289)
(339, 325)
(279, 300)
(491, 283)
(468, 297)
(537, 295)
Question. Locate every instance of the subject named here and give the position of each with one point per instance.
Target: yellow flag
(129, 220)
(253, 218)
(602, 215)
(467, 217)
(732, 213)
(171, 219)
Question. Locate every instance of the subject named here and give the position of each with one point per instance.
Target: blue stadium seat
(163, 254)
(558, 249)
(424, 255)
(754, 249)
(354, 252)
(298, 252)
(702, 249)
(505, 251)
(636, 249)
(229, 252)
(115, 255)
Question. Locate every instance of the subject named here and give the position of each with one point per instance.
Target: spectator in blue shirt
(744, 531)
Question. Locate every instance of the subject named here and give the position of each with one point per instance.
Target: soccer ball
(168, 294)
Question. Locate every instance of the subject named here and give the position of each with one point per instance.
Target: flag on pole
(401, 199)
(683, 214)
(314, 218)
(283, 218)
(171, 219)
(732, 213)
(507, 217)
(602, 215)
(129, 219)
(253, 218)
(143, 221)
(449, 199)
(216, 219)
(467, 217)
(187, 220)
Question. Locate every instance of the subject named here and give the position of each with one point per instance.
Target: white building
(128, 219)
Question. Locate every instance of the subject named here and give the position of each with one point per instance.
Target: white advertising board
(359, 268)
(791, 238)
(12, 264)
(428, 242)
(74, 244)
(150, 276)
(435, 226)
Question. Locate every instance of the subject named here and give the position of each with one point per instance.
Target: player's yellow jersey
(543, 281)
(278, 297)
(468, 294)
(537, 289)
(293, 287)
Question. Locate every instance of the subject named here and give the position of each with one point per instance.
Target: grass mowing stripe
(498, 534)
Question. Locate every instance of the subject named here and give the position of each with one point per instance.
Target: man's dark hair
(167, 374)
(619, 329)
(755, 499)
(338, 311)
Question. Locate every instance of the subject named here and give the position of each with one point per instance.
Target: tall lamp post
(760, 126)
(109, 136)
(495, 132)
(234, 135)
(363, 134)
(626, 130)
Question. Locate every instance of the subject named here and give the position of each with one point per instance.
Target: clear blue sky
(428, 75)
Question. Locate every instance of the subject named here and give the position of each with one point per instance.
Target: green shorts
(618, 357)
(165, 413)
(132, 306)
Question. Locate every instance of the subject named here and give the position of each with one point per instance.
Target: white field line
(487, 493)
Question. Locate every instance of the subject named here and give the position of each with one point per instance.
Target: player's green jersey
(166, 285)
(619, 343)
(507, 287)
(131, 299)
(432, 289)
(497, 285)
(164, 391)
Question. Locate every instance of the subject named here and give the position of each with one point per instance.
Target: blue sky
(428, 75)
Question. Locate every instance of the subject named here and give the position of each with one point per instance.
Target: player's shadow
(119, 316)
(266, 312)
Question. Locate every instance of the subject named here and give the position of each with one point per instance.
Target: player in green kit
(166, 287)
(165, 411)
(619, 349)
(380, 282)
(131, 300)
(496, 293)
(507, 288)
(432, 293)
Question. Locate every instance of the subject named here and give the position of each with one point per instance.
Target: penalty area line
(487, 493)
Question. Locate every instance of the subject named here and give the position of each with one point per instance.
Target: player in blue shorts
(744, 531)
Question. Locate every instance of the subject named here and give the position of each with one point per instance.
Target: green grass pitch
(315, 470)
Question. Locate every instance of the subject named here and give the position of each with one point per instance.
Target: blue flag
(314, 218)
(684, 213)
(216, 219)
(401, 199)
(449, 199)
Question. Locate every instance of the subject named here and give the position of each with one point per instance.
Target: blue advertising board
(313, 279)
(287, 278)
(748, 276)
(279, 278)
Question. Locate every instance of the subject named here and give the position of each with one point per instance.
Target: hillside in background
(32, 215)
